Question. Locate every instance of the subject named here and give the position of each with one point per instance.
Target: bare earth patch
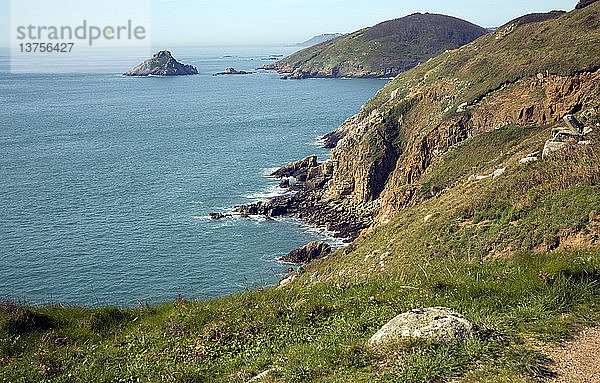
(578, 361)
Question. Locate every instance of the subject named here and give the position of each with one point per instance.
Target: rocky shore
(306, 181)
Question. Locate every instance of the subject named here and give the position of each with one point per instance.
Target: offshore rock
(162, 64)
(231, 71)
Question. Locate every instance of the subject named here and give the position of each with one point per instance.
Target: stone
(573, 123)
(162, 64)
(434, 324)
(498, 172)
(462, 107)
(552, 146)
(308, 253)
(216, 216)
(231, 71)
(284, 184)
(527, 160)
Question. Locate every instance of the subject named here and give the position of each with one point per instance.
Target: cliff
(162, 64)
(383, 50)
(530, 72)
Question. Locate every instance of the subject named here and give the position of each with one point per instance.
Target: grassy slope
(502, 251)
(564, 45)
(380, 47)
(316, 330)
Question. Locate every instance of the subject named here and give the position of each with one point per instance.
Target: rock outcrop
(524, 74)
(308, 253)
(574, 132)
(162, 64)
(229, 71)
(436, 325)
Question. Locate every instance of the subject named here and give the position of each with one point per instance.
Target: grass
(525, 50)
(521, 301)
(316, 332)
(395, 46)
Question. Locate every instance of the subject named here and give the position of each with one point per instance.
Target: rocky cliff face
(529, 74)
(162, 64)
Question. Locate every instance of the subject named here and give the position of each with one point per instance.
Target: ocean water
(106, 181)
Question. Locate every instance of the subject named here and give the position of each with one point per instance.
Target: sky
(265, 22)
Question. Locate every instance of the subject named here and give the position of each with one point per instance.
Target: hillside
(319, 39)
(383, 50)
(438, 169)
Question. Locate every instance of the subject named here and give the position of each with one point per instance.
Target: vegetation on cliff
(517, 253)
(383, 50)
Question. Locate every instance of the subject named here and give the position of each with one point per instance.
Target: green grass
(316, 332)
(521, 302)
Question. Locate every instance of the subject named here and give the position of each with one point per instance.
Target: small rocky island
(162, 64)
(231, 71)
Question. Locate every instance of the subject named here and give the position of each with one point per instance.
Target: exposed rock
(575, 131)
(573, 123)
(162, 64)
(285, 183)
(498, 172)
(298, 169)
(532, 157)
(584, 3)
(231, 71)
(287, 280)
(436, 324)
(310, 252)
(552, 146)
(216, 216)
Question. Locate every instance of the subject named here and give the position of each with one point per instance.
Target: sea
(106, 181)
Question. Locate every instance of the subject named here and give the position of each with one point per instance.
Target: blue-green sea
(106, 181)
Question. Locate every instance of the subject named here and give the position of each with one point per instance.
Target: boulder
(310, 252)
(573, 123)
(218, 215)
(435, 324)
(552, 146)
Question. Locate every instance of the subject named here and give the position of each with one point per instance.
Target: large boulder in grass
(435, 324)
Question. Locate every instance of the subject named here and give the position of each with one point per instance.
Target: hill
(383, 50)
(319, 39)
(464, 212)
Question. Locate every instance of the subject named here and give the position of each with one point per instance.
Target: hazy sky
(243, 22)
